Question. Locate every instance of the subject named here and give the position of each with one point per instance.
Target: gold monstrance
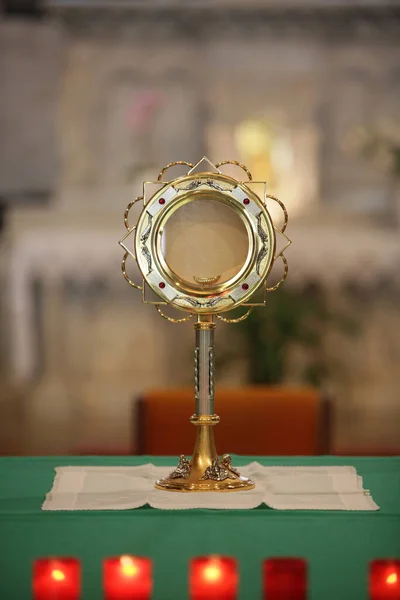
(205, 244)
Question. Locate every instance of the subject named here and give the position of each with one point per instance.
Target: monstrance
(205, 244)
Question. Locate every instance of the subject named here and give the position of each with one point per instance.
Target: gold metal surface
(205, 281)
(202, 288)
(172, 319)
(205, 419)
(285, 274)
(172, 164)
(125, 274)
(285, 213)
(153, 302)
(204, 325)
(238, 319)
(204, 297)
(238, 164)
(205, 321)
(128, 208)
(122, 242)
(219, 291)
(204, 458)
(286, 246)
(184, 285)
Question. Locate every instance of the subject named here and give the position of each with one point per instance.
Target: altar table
(337, 545)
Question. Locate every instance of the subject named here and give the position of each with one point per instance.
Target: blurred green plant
(290, 317)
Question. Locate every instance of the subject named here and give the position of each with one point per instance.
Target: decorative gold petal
(125, 274)
(171, 319)
(283, 207)
(173, 164)
(128, 208)
(237, 164)
(238, 320)
(285, 273)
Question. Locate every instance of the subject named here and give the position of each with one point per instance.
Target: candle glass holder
(213, 578)
(127, 578)
(384, 579)
(285, 578)
(56, 578)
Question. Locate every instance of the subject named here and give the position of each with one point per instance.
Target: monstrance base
(206, 472)
(181, 485)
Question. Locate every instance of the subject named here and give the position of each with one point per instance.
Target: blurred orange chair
(254, 421)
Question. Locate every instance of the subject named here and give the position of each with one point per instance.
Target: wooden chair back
(254, 421)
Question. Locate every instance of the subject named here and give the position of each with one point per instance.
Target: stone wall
(31, 67)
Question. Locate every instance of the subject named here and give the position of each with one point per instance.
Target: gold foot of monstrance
(205, 244)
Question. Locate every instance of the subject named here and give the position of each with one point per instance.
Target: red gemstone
(245, 286)
(246, 201)
(161, 285)
(161, 201)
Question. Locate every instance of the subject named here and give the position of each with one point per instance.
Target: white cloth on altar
(278, 487)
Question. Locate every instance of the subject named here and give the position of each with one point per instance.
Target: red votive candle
(127, 578)
(285, 579)
(56, 579)
(213, 578)
(384, 579)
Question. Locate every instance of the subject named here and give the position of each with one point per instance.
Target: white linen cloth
(285, 488)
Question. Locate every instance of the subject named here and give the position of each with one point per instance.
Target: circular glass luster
(205, 242)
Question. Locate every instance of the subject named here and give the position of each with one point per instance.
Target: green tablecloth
(338, 545)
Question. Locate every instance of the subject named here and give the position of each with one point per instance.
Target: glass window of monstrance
(205, 241)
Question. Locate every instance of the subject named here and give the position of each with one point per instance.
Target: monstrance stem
(204, 366)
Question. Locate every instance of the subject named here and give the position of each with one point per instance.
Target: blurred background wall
(97, 97)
